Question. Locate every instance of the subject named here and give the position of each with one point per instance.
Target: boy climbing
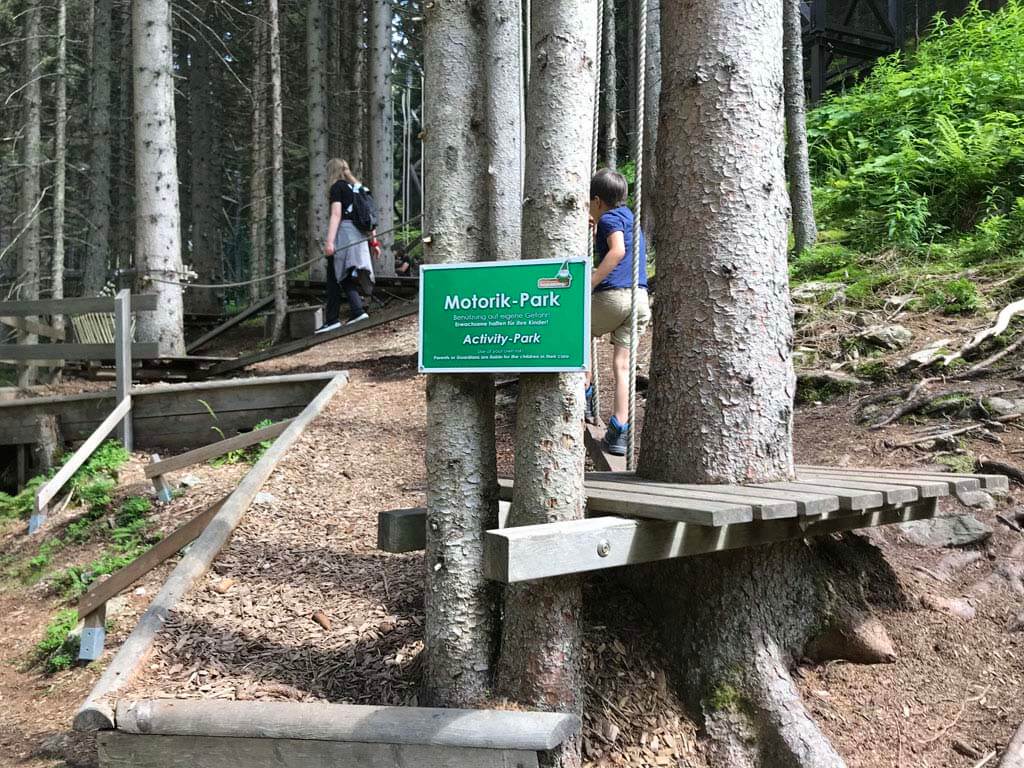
(611, 282)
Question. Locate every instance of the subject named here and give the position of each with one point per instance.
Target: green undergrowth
(249, 455)
(57, 649)
(919, 171)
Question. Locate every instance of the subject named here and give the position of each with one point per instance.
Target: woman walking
(347, 249)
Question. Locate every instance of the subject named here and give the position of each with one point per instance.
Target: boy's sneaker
(329, 327)
(616, 438)
(590, 414)
(359, 319)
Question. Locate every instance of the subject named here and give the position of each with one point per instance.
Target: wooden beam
(319, 721)
(72, 465)
(123, 361)
(764, 508)
(893, 494)
(405, 530)
(31, 326)
(145, 302)
(167, 547)
(602, 461)
(957, 482)
(298, 345)
(245, 314)
(121, 750)
(926, 489)
(141, 350)
(96, 713)
(807, 504)
(207, 452)
(680, 509)
(533, 552)
(850, 499)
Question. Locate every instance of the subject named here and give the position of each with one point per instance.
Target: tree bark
(721, 390)
(541, 645)
(504, 128)
(260, 161)
(206, 167)
(363, 95)
(31, 178)
(122, 183)
(99, 245)
(805, 229)
(348, 114)
(723, 314)
(316, 106)
(157, 230)
(382, 160)
(277, 173)
(609, 91)
(652, 97)
(60, 157)
(461, 606)
(337, 55)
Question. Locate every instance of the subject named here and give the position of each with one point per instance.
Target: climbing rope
(183, 276)
(634, 340)
(594, 378)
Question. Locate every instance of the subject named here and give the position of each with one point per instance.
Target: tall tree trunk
(99, 245)
(316, 108)
(60, 157)
(609, 93)
(504, 128)
(123, 211)
(652, 96)
(365, 92)
(260, 161)
(541, 646)
(206, 166)
(31, 172)
(157, 222)
(720, 400)
(382, 128)
(805, 229)
(347, 116)
(337, 55)
(277, 173)
(461, 606)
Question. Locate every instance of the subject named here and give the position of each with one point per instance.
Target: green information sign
(505, 317)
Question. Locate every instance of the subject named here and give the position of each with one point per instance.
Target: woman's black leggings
(334, 290)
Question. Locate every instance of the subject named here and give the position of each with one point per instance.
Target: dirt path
(301, 606)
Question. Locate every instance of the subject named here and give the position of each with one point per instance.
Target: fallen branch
(914, 403)
(978, 367)
(1002, 323)
(955, 432)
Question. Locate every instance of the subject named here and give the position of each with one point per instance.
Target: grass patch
(57, 649)
(249, 455)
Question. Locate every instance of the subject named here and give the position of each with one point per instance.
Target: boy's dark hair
(611, 186)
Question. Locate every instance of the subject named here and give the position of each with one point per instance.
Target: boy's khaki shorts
(609, 313)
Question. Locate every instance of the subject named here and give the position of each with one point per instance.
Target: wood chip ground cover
(300, 606)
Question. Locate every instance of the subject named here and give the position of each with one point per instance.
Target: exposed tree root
(736, 623)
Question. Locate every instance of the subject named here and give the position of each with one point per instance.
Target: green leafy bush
(954, 298)
(57, 649)
(929, 148)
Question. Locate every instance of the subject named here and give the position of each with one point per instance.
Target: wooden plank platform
(140, 351)
(534, 552)
(144, 302)
(680, 520)
(291, 347)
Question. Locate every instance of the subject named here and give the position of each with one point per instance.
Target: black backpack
(364, 210)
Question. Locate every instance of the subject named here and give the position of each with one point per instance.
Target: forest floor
(301, 606)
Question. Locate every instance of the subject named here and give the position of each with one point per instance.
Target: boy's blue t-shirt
(619, 220)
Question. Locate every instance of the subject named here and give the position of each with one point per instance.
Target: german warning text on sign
(505, 317)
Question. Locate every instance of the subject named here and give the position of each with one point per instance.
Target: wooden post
(163, 490)
(123, 359)
(93, 635)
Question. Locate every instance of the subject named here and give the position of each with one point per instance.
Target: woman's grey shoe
(329, 327)
(359, 319)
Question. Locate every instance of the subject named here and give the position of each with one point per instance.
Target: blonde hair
(338, 169)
